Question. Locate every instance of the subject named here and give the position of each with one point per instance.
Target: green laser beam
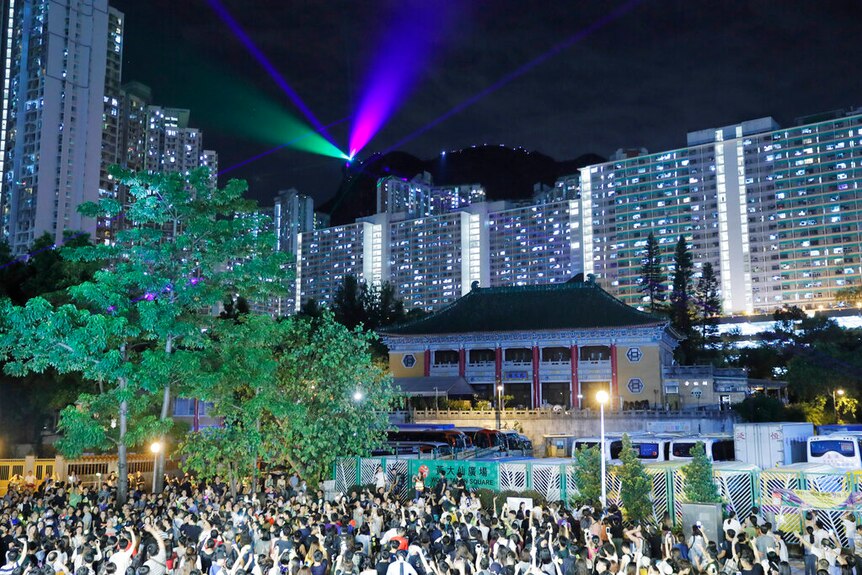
(234, 106)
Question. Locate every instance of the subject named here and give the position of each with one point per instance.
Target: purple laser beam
(614, 14)
(398, 66)
(277, 148)
(226, 17)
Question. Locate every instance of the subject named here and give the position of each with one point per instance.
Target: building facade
(774, 210)
(537, 345)
(55, 65)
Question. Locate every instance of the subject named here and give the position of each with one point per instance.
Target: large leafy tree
(139, 328)
(635, 484)
(297, 392)
(652, 280)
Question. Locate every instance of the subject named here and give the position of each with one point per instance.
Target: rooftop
(572, 305)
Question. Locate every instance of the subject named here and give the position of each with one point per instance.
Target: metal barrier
(742, 486)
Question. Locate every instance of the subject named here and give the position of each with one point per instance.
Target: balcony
(594, 370)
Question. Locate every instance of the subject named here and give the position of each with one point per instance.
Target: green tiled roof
(572, 305)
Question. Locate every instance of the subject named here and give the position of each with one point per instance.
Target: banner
(477, 474)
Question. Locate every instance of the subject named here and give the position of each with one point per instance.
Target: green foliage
(759, 408)
(289, 390)
(708, 305)
(136, 328)
(652, 280)
(45, 272)
(362, 304)
(681, 308)
(588, 473)
(699, 481)
(635, 484)
(228, 451)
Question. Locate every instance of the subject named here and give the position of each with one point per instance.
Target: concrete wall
(538, 423)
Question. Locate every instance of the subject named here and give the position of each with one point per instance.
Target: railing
(562, 413)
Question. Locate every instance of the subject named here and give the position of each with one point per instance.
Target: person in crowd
(199, 528)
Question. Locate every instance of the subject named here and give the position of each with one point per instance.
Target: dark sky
(664, 68)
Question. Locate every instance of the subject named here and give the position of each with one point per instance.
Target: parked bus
(457, 439)
(840, 449)
(719, 447)
(648, 447)
(587, 442)
(414, 449)
(484, 438)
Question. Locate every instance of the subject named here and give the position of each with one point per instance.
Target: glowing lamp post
(839, 393)
(357, 396)
(602, 397)
(499, 404)
(155, 448)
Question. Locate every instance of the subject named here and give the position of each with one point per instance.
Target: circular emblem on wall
(636, 385)
(408, 360)
(634, 354)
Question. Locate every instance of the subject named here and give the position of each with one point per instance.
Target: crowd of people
(440, 528)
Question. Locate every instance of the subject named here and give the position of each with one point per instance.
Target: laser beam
(608, 18)
(226, 17)
(398, 66)
(280, 147)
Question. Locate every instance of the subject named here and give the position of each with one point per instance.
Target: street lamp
(357, 395)
(499, 404)
(156, 448)
(835, 392)
(602, 397)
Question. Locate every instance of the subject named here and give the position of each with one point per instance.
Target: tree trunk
(122, 462)
(159, 466)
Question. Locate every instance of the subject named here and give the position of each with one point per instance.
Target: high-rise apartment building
(775, 210)
(54, 68)
(432, 261)
(411, 197)
(535, 244)
(293, 214)
(446, 199)
(112, 120)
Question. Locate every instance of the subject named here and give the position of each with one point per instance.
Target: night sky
(644, 79)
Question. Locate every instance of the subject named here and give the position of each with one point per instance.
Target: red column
(427, 366)
(537, 384)
(575, 388)
(462, 362)
(615, 388)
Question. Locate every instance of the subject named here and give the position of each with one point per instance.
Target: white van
(719, 447)
(842, 449)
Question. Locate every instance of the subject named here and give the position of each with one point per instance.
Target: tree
(681, 308)
(357, 303)
(761, 408)
(635, 484)
(699, 481)
(708, 303)
(588, 472)
(297, 392)
(137, 329)
(652, 280)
